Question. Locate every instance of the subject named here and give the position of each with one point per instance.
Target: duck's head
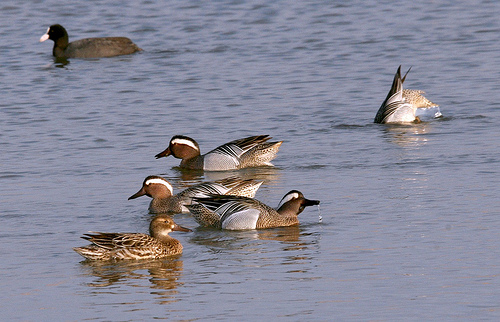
(181, 147)
(154, 187)
(162, 225)
(295, 202)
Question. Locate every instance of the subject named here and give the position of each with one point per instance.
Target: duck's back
(260, 155)
(108, 246)
(417, 99)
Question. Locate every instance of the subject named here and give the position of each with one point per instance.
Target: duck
(242, 213)
(400, 105)
(88, 47)
(164, 201)
(116, 246)
(252, 151)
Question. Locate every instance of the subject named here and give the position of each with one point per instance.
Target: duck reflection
(408, 135)
(216, 239)
(283, 234)
(162, 274)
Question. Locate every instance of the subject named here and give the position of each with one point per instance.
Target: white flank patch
(160, 181)
(185, 142)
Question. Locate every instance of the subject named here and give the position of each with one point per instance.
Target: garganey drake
(240, 213)
(248, 152)
(164, 200)
(401, 104)
(109, 246)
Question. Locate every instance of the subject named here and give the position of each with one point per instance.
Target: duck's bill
(180, 228)
(164, 153)
(308, 202)
(138, 194)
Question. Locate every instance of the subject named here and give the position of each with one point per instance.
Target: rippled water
(410, 219)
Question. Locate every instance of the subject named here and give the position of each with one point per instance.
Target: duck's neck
(193, 162)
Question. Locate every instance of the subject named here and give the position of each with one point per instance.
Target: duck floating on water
(113, 246)
(164, 201)
(253, 151)
(241, 213)
(400, 105)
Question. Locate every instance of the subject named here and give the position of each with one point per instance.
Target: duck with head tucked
(241, 213)
(400, 105)
(253, 151)
(164, 201)
(112, 246)
(88, 47)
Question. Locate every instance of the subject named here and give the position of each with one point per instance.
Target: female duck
(88, 47)
(240, 213)
(253, 151)
(400, 105)
(107, 246)
(164, 201)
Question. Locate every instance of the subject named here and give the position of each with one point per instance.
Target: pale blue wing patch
(241, 220)
(217, 160)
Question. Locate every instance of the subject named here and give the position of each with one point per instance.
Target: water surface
(410, 219)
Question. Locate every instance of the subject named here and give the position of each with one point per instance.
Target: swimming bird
(164, 201)
(240, 213)
(401, 104)
(107, 246)
(252, 151)
(88, 47)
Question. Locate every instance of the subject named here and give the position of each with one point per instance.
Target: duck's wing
(232, 186)
(204, 190)
(234, 212)
(240, 187)
(238, 147)
(113, 241)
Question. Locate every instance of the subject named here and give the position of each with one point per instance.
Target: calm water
(410, 222)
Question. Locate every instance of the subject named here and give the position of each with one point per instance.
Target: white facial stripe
(160, 181)
(185, 142)
(290, 197)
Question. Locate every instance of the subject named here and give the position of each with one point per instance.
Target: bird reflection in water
(408, 135)
(163, 274)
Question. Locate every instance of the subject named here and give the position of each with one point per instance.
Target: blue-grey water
(410, 214)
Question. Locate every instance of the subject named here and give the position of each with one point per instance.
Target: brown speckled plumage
(415, 97)
(108, 246)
